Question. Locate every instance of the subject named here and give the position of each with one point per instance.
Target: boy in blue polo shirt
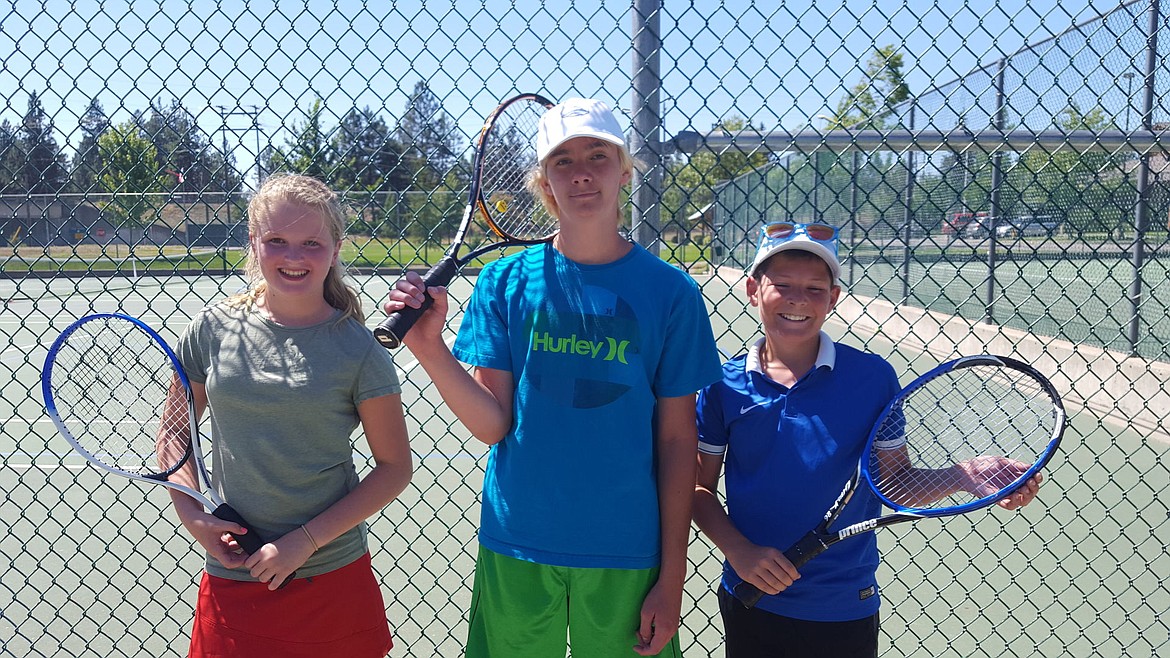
(788, 422)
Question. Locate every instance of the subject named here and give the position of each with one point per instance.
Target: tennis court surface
(97, 566)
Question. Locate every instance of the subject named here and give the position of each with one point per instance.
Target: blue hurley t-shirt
(590, 348)
(787, 453)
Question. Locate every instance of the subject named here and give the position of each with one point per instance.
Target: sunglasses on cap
(781, 232)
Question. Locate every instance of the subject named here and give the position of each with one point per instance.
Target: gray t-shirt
(283, 406)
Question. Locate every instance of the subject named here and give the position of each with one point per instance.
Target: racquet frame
(250, 541)
(820, 538)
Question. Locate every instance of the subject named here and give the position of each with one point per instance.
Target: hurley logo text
(613, 349)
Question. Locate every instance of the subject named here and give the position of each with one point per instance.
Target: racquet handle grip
(748, 594)
(809, 546)
(250, 541)
(394, 328)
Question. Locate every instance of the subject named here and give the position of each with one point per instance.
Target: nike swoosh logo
(744, 410)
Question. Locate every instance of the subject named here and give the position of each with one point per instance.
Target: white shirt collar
(826, 355)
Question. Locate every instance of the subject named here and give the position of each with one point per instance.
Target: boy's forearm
(712, 520)
(677, 445)
(676, 478)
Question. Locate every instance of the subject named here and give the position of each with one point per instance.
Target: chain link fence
(997, 172)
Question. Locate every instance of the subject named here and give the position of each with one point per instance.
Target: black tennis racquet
(505, 154)
(964, 436)
(118, 394)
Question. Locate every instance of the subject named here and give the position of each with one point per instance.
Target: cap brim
(603, 136)
(799, 243)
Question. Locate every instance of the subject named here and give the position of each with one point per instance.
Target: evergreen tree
(87, 163)
(430, 138)
(366, 156)
(130, 171)
(8, 158)
(366, 161)
(41, 164)
(308, 151)
(185, 156)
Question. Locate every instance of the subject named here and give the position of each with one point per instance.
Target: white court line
(47, 467)
(23, 350)
(34, 466)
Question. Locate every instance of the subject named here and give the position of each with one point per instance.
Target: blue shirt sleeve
(483, 338)
(690, 359)
(712, 430)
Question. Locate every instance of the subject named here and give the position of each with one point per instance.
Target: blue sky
(776, 67)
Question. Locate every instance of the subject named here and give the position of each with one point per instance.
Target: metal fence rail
(998, 175)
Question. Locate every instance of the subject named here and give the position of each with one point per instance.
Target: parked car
(1029, 226)
(979, 228)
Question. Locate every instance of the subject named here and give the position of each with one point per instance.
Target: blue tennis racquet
(962, 437)
(118, 394)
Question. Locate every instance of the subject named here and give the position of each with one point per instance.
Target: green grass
(374, 253)
(358, 253)
(155, 262)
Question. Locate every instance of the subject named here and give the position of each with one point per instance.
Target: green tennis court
(1084, 300)
(99, 567)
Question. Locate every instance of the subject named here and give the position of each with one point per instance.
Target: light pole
(1128, 75)
(817, 177)
(252, 113)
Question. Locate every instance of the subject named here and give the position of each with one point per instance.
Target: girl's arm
(209, 531)
(385, 428)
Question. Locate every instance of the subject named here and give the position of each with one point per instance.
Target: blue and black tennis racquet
(962, 437)
(118, 394)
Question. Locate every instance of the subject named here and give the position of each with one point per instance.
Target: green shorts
(521, 609)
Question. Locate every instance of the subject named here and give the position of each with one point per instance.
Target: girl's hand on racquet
(276, 561)
(212, 533)
(409, 292)
(763, 566)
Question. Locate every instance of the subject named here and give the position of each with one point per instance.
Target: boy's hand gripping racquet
(964, 436)
(118, 394)
(505, 154)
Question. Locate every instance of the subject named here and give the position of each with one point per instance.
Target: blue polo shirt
(787, 454)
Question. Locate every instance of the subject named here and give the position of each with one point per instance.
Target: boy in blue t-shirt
(788, 423)
(587, 353)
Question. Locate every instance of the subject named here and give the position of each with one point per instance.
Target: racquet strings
(508, 155)
(966, 413)
(111, 382)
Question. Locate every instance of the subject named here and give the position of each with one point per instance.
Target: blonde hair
(310, 193)
(538, 176)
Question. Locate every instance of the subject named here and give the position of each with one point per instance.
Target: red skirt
(340, 613)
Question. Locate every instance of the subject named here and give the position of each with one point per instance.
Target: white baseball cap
(789, 236)
(576, 117)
